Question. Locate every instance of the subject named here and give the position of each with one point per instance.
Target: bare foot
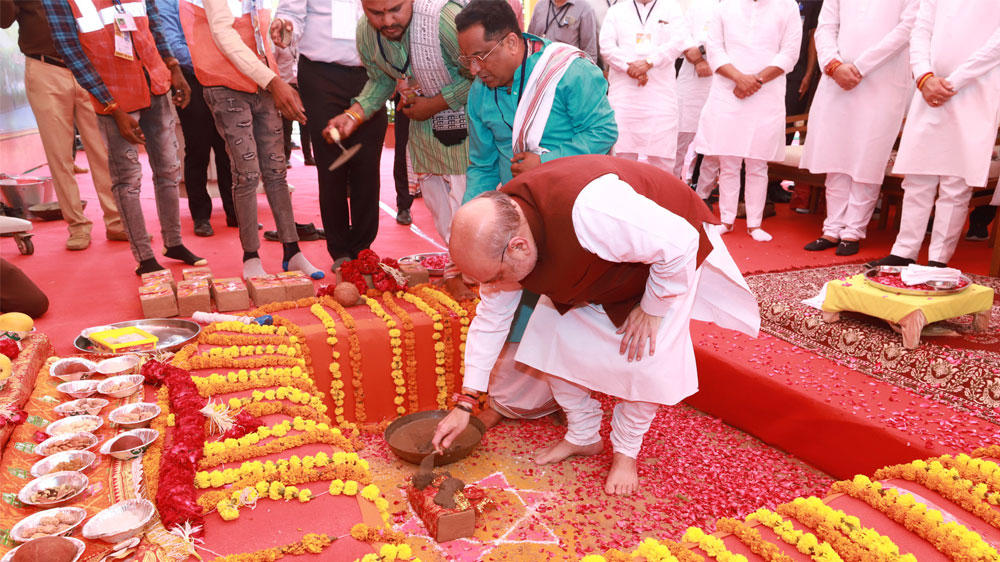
(489, 417)
(563, 449)
(623, 478)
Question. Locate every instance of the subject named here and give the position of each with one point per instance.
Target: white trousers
(443, 195)
(950, 210)
(708, 177)
(849, 207)
(517, 390)
(684, 141)
(629, 422)
(665, 164)
(754, 192)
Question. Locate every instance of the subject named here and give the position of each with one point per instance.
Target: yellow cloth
(856, 295)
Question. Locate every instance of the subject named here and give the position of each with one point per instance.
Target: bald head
(490, 240)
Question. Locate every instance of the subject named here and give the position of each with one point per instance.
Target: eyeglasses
(467, 61)
(503, 255)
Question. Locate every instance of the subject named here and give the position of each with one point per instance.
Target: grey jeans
(158, 124)
(254, 135)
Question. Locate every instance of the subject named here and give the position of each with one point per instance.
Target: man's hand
(180, 87)
(937, 91)
(702, 69)
(339, 128)
(638, 328)
(524, 161)
(846, 76)
(280, 31)
(638, 68)
(643, 80)
(449, 428)
(804, 85)
(128, 127)
(287, 100)
(746, 85)
(420, 109)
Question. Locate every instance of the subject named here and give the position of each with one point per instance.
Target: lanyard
(550, 19)
(496, 99)
(642, 22)
(257, 35)
(381, 50)
(610, 2)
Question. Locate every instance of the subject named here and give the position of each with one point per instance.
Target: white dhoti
(443, 195)
(518, 391)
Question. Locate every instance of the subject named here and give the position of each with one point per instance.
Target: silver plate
(172, 333)
(419, 258)
(943, 289)
(77, 480)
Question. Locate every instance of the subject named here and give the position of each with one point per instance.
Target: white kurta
(613, 221)
(750, 35)
(852, 131)
(646, 115)
(692, 90)
(958, 40)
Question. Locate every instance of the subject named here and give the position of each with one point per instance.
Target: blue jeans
(159, 125)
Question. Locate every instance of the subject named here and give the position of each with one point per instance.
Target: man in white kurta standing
(751, 45)
(624, 255)
(951, 127)
(639, 41)
(857, 111)
(693, 82)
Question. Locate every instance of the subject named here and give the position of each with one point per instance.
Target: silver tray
(943, 289)
(419, 258)
(173, 334)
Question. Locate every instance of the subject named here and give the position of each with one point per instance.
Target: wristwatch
(701, 49)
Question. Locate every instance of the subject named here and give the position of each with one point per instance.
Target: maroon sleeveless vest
(566, 272)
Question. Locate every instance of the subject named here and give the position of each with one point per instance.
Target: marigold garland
(712, 545)
(409, 357)
(752, 539)
(437, 336)
(242, 380)
(226, 339)
(249, 450)
(292, 470)
(947, 482)
(952, 539)
(336, 382)
(396, 348)
(267, 408)
(983, 472)
(444, 349)
(366, 533)
(311, 543)
(152, 457)
(851, 540)
(804, 542)
(464, 319)
(354, 353)
(273, 307)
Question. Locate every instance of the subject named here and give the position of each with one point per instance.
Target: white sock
(253, 268)
(300, 263)
(759, 235)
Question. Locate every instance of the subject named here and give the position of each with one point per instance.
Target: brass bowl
(409, 438)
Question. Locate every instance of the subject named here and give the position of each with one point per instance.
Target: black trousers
(403, 198)
(200, 139)
(304, 141)
(350, 221)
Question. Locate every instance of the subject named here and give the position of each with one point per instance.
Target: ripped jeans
(159, 126)
(254, 135)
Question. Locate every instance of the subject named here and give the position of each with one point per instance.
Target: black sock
(181, 253)
(148, 266)
(247, 256)
(290, 249)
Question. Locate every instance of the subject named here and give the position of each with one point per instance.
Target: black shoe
(404, 218)
(978, 232)
(936, 264)
(307, 233)
(309, 161)
(820, 244)
(890, 260)
(203, 229)
(778, 194)
(848, 247)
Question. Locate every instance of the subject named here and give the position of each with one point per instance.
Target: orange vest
(210, 65)
(125, 79)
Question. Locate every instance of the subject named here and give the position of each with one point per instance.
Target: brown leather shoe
(117, 236)
(78, 241)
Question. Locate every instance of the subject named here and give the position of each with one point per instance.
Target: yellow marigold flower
(370, 492)
(337, 487)
(263, 487)
(404, 552)
(350, 488)
(171, 420)
(388, 552)
(594, 558)
(305, 495)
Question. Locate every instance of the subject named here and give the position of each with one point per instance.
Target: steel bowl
(77, 407)
(106, 525)
(34, 520)
(940, 289)
(149, 409)
(80, 547)
(46, 465)
(43, 447)
(122, 365)
(419, 258)
(64, 426)
(79, 389)
(147, 436)
(77, 480)
(107, 385)
(58, 369)
(172, 334)
(420, 427)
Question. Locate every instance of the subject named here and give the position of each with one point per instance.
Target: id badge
(123, 45)
(125, 22)
(643, 39)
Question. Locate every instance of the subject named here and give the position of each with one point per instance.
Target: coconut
(346, 294)
(46, 549)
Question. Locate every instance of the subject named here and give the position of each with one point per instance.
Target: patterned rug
(952, 364)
